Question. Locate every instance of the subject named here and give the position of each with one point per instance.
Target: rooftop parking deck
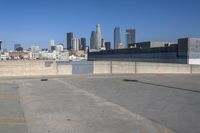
(144, 103)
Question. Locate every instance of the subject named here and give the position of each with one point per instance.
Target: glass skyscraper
(93, 40)
(117, 37)
(130, 37)
(98, 36)
(82, 44)
(69, 40)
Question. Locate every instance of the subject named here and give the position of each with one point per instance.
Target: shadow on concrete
(159, 85)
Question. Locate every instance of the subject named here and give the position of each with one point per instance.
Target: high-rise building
(52, 43)
(82, 44)
(130, 37)
(108, 45)
(93, 40)
(69, 40)
(98, 36)
(117, 37)
(102, 43)
(1, 48)
(75, 44)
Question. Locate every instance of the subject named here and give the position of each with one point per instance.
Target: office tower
(69, 40)
(130, 37)
(117, 37)
(108, 45)
(75, 44)
(82, 44)
(98, 36)
(93, 40)
(1, 45)
(102, 43)
(52, 43)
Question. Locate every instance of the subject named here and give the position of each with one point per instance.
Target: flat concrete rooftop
(101, 104)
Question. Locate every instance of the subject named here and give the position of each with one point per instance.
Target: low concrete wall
(195, 69)
(27, 68)
(64, 69)
(119, 67)
(102, 67)
(41, 68)
(142, 67)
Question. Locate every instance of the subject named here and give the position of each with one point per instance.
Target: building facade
(117, 37)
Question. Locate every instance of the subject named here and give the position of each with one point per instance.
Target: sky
(31, 22)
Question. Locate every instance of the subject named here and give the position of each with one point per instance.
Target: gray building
(189, 48)
(130, 37)
(117, 37)
(151, 44)
(82, 44)
(108, 45)
(69, 40)
(93, 40)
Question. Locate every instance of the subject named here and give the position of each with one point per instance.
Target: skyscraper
(69, 40)
(82, 44)
(117, 37)
(52, 43)
(98, 36)
(108, 45)
(130, 37)
(75, 44)
(93, 40)
(1, 45)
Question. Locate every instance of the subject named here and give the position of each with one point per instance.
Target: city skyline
(37, 22)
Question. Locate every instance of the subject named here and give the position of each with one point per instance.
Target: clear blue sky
(37, 21)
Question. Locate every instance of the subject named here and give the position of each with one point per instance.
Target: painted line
(13, 123)
(12, 117)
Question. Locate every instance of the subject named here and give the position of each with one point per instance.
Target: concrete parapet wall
(154, 68)
(64, 69)
(27, 68)
(195, 69)
(41, 68)
(102, 67)
(119, 67)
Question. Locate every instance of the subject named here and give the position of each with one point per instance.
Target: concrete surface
(101, 104)
(171, 100)
(11, 113)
